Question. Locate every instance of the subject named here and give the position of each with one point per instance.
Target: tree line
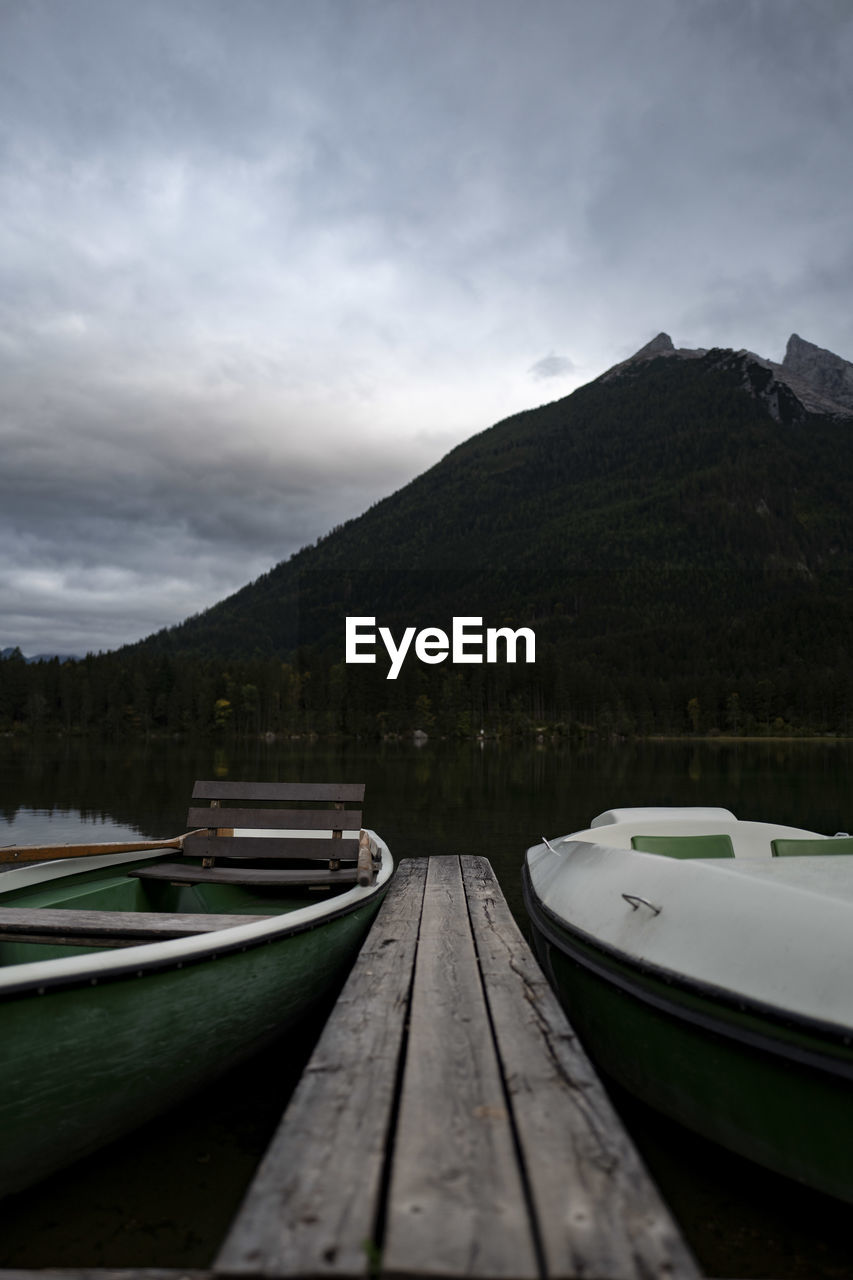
(575, 692)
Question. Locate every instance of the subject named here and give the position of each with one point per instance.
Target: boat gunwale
(559, 931)
(38, 977)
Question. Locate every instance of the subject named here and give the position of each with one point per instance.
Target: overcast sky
(264, 261)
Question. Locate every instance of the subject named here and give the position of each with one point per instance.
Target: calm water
(118, 1209)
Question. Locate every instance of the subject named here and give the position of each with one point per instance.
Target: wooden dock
(448, 1123)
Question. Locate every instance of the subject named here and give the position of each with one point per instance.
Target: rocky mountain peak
(662, 345)
(659, 346)
(828, 374)
(809, 380)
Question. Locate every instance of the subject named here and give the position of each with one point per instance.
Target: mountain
(674, 464)
(810, 379)
(820, 373)
(15, 652)
(677, 534)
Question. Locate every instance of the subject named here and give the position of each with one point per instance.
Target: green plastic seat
(708, 846)
(800, 848)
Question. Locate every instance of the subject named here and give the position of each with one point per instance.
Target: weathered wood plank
(597, 1210)
(332, 792)
(204, 846)
(368, 859)
(71, 927)
(186, 873)
(456, 1204)
(313, 1206)
(277, 819)
(105, 1273)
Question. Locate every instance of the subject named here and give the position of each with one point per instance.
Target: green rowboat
(705, 962)
(129, 979)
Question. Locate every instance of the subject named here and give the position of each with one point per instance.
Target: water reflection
(60, 826)
(425, 798)
(435, 797)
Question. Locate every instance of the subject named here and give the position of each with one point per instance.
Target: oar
(41, 852)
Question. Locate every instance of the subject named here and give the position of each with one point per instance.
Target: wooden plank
(368, 859)
(105, 1273)
(332, 792)
(71, 927)
(312, 1209)
(598, 1212)
(206, 846)
(186, 873)
(456, 1203)
(277, 819)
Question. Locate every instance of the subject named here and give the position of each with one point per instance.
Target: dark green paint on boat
(85, 1060)
(771, 1087)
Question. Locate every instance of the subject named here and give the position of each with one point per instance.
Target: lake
(163, 1197)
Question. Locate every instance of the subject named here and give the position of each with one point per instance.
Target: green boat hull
(86, 1061)
(776, 1090)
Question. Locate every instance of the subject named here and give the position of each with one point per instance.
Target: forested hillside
(680, 543)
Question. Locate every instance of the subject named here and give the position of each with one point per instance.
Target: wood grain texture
(70, 927)
(368, 859)
(200, 845)
(456, 1205)
(22, 853)
(277, 819)
(312, 792)
(312, 1209)
(449, 1116)
(105, 1273)
(597, 1210)
(186, 873)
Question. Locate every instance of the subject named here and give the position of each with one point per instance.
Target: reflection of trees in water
(484, 797)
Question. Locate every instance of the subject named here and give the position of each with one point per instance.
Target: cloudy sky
(264, 261)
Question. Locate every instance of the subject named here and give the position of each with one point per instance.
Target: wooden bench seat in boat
(71, 927)
(310, 830)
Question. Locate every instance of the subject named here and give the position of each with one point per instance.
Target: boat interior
(261, 861)
(706, 833)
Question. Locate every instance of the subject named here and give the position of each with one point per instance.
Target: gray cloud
(552, 366)
(263, 262)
